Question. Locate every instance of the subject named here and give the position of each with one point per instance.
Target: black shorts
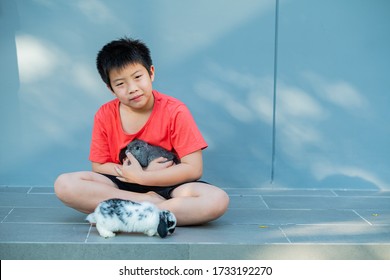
(132, 187)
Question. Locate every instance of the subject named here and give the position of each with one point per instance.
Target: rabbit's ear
(171, 222)
(162, 228)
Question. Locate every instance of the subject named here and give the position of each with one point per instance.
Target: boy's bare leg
(196, 203)
(192, 203)
(84, 190)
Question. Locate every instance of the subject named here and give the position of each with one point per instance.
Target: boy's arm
(189, 169)
(105, 168)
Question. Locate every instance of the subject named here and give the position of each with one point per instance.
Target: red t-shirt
(170, 126)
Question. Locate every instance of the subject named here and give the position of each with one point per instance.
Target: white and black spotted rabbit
(114, 215)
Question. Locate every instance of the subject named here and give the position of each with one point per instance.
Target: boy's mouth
(136, 98)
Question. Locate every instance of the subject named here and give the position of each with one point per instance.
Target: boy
(138, 111)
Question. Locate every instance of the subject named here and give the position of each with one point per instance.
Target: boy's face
(132, 85)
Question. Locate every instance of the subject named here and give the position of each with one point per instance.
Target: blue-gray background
(332, 98)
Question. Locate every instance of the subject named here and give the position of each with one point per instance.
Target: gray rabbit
(145, 153)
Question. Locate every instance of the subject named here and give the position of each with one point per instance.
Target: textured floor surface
(260, 224)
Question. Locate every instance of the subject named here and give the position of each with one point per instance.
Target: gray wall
(332, 85)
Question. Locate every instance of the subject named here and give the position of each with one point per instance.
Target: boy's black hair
(120, 53)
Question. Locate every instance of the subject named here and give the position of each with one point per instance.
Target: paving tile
(232, 234)
(284, 217)
(242, 191)
(362, 193)
(45, 215)
(6, 189)
(4, 211)
(304, 202)
(201, 251)
(376, 217)
(337, 234)
(11, 199)
(241, 201)
(46, 233)
(42, 190)
(93, 251)
(278, 192)
(229, 234)
(124, 237)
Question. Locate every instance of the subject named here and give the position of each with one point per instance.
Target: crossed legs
(192, 203)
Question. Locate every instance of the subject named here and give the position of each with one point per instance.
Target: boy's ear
(151, 73)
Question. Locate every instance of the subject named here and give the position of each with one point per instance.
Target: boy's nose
(132, 88)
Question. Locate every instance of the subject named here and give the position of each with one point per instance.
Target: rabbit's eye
(137, 148)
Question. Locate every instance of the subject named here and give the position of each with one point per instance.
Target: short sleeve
(185, 136)
(99, 151)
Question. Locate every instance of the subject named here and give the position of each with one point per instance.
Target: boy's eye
(119, 84)
(139, 76)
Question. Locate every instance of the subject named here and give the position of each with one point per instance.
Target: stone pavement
(264, 223)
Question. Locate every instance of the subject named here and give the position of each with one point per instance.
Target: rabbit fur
(114, 215)
(145, 152)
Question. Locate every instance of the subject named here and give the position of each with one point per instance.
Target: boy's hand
(131, 171)
(159, 163)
